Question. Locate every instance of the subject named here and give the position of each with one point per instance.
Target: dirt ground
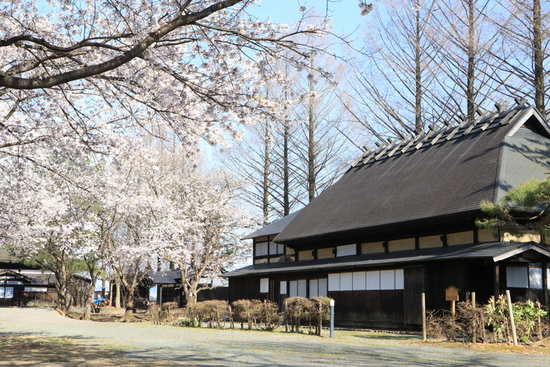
(31, 337)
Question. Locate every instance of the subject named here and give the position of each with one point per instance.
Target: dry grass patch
(541, 347)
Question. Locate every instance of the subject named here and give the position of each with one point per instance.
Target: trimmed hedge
(258, 314)
(304, 311)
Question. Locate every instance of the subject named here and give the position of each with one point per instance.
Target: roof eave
(381, 231)
(526, 247)
(522, 118)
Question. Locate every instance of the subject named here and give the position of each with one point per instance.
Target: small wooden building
(22, 285)
(401, 222)
(165, 286)
(12, 286)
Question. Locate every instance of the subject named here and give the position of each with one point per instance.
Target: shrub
(298, 310)
(184, 321)
(194, 312)
(156, 313)
(528, 319)
(320, 313)
(531, 320)
(268, 316)
(246, 311)
(497, 317)
(214, 312)
(264, 315)
(468, 324)
(168, 312)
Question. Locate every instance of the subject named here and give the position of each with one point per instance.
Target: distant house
(165, 286)
(401, 222)
(22, 285)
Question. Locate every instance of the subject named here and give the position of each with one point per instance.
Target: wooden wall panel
(382, 308)
(414, 287)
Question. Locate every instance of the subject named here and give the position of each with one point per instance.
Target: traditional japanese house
(401, 222)
(164, 286)
(22, 285)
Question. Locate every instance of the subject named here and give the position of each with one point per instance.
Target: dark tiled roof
(10, 274)
(396, 147)
(437, 175)
(40, 277)
(524, 155)
(165, 277)
(495, 251)
(274, 227)
(33, 277)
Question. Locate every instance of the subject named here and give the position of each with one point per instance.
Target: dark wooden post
(424, 331)
(545, 283)
(496, 285)
(474, 334)
(320, 321)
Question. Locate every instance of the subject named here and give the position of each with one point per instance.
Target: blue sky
(345, 14)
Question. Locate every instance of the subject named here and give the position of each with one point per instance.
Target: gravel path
(210, 347)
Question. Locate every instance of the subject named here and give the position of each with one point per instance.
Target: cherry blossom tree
(51, 223)
(132, 208)
(81, 82)
(122, 213)
(201, 234)
(74, 75)
(68, 68)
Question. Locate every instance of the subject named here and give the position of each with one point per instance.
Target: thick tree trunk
(311, 177)
(418, 124)
(191, 299)
(62, 284)
(470, 88)
(62, 303)
(117, 295)
(265, 173)
(88, 305)
(538, 55)
(190, 288)
(129, 302)
(286, 170)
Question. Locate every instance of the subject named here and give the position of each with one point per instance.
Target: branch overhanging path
(182, 19)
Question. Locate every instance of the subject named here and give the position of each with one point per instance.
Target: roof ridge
(486, 120)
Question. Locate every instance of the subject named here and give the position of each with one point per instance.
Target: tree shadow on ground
(28, 350)
(25, 349)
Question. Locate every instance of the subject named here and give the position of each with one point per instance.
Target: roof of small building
(31, 276)
(10, 274)
(439, 174)
(495, 251)
(165, 276)
(43, 278)
(274, 227)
